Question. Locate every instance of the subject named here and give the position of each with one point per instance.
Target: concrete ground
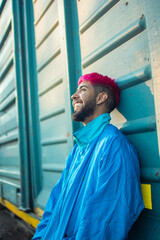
(13, 228)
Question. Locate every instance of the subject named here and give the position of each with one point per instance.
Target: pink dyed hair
(96, 78)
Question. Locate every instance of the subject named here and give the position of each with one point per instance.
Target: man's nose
(75, 95)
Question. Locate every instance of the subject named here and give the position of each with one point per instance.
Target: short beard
(85, 112)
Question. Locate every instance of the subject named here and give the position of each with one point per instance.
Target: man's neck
(92, 117)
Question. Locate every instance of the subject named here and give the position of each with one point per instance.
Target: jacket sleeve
(117, 201)
(49, 207)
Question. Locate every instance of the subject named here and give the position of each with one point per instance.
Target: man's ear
(101, 97)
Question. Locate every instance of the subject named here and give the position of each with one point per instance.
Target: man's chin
(76, 116)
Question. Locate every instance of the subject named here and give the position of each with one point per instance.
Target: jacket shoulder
(112, 133)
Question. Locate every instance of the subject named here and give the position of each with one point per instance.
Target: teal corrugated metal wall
(9, 132)
(53, 91)
(115, 37)
(20, 173)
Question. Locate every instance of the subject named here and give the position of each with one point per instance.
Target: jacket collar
(93, 129)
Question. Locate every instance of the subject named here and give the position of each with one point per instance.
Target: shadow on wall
(136, 119)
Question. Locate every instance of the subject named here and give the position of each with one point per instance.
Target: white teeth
(76, 105)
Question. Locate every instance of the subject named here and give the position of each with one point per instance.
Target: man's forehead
(84, 84)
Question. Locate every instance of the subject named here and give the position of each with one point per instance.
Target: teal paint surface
(73, 49)
(9, 132)
(54, 92)
(40, 66)
(32, 108)
(21, 102)
(118, 42)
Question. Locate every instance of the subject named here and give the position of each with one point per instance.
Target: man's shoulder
(112, 131)
(112, 134)
(113, 138)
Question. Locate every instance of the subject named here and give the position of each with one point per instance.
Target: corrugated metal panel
(9, 144)
(54, 103)
(116, 37)
(114, 41)
(18, 133)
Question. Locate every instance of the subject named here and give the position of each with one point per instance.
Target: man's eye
(83, 89)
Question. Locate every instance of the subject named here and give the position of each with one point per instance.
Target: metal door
(121, 39)
(53, 91)
(18, 106)
(9, 140)
(114, 37)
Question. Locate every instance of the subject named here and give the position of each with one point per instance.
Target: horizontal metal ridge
(54, 112)
(97, 14)
(51, 141)
(10, 87)
(2, 181)
(6, 51)
(53, 167)
(10, 173)
(43, 12)
(6, 67)
(8, 125)
(54, 55)
(150, 174)
(134, 78)
(7, 139)
(8, 101)
(45, 36)
(2, 5)
(8, 29)
(146, 124)
(119, 39)
(51, 85)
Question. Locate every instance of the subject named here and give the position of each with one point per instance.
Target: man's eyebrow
(81, 87)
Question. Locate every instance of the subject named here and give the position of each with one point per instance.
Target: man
(98, 196)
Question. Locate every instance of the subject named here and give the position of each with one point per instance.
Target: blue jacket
(98, 196)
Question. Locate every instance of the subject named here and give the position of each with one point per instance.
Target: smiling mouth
(77, 106)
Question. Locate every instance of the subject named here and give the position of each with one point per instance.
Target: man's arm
(117, 202)
(41, 228)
